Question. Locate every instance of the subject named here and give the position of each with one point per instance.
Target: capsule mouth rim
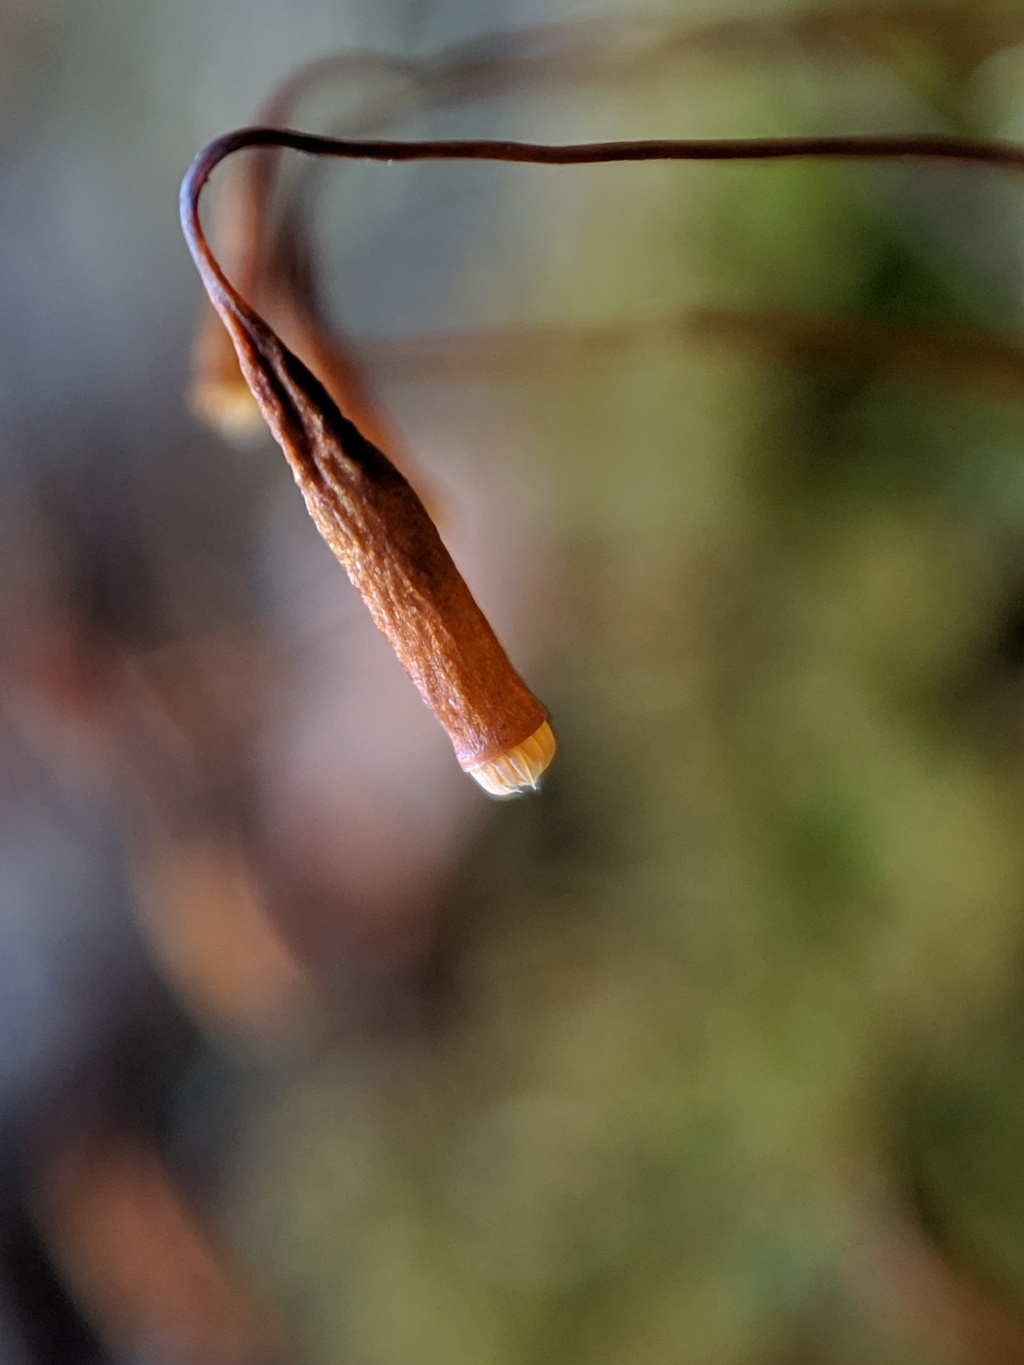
(519, 770)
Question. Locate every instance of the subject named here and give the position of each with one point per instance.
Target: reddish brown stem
(884, 147)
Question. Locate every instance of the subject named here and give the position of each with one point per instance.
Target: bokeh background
(713, 1052)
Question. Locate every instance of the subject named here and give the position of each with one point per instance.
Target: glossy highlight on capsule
(519, 770)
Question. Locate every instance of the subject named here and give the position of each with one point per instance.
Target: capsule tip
(520, 769)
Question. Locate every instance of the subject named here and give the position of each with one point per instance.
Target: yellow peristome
(227, 407)
(521, 768)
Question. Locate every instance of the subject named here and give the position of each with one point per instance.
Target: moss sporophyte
(367, 511)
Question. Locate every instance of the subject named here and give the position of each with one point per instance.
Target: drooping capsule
(380, 532)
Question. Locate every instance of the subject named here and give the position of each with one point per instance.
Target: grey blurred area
(709, 1053)
(132, 540)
